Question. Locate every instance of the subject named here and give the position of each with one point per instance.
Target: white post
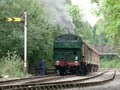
(25, 42)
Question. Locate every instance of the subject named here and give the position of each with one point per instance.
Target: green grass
(110, 63)
(12, 65)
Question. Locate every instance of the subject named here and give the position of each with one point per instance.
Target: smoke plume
(57, 12)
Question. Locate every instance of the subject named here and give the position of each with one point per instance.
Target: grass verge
(104, 63)
(12, 65)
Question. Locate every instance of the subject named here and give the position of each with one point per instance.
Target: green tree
(40, 31)
(82, 28)
(109, 23)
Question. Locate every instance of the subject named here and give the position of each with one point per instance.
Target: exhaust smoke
(57, 13)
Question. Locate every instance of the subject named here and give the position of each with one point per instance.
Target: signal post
(25, 43)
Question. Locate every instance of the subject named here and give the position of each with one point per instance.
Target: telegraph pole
(25, 43)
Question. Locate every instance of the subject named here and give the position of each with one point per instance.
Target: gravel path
(113, 85)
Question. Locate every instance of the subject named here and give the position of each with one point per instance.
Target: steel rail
(59, 82)
(66, 85)
(36, 84)
(5, 86)
(3, 82)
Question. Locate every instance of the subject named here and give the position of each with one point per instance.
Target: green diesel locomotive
(73, 56)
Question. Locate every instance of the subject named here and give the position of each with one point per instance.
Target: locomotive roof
(68, 37)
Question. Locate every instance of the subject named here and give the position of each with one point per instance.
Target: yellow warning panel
(15, 19)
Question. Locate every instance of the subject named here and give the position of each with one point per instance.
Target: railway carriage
(73, 56)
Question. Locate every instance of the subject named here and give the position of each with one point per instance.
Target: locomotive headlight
(76, 63)
(57, 62)
(76, 58)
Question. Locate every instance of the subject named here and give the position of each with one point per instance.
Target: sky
(86, 6)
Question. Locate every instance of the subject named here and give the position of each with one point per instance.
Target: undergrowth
(12, 65)
(104, 63)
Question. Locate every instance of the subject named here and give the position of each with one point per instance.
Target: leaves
(110, 10)
(83, 28)
(40, 31)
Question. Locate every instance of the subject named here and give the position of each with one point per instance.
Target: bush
(11, 64)
(110, 63)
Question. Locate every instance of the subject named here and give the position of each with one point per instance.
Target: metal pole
(25, 42)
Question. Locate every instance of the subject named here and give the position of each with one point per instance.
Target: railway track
(11, 84)
(56, 85)
(68, 84)
(24, 80)
(20, 80)
(31, 80)
(68, 79)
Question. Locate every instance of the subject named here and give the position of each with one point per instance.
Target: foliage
(109, 24)
(110, 63)
(83, 28)
(11, 64)
(40, 32)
